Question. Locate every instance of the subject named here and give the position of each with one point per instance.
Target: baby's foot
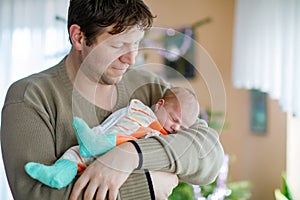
(58, 175)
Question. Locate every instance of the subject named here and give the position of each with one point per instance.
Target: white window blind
(266, 50)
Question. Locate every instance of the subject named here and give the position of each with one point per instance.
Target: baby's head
(178, 109)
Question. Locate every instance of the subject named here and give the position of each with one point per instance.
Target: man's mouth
(120, 70)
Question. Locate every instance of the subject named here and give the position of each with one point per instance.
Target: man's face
(110, 56)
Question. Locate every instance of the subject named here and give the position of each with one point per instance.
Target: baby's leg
(92, 144)
(61, 173)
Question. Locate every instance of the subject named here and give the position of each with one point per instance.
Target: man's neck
(72, 64)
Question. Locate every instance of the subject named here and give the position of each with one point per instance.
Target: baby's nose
(175, 127)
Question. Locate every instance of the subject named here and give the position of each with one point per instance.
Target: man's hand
(163, 184)
(105, 176)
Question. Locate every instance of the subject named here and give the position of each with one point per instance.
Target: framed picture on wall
(258, 112)
(179, 54)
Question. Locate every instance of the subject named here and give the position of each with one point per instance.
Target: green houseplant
(285, 194)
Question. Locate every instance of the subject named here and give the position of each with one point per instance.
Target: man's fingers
(101, 193)
(78, 187)
(91, 190)
(112, 194)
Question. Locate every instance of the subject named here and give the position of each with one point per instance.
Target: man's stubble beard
(105, 80)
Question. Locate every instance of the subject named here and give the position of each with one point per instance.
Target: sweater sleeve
(195, 155)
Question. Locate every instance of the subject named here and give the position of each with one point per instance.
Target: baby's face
(170, 117)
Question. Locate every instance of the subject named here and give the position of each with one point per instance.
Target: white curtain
(33, 36)
(266, 52)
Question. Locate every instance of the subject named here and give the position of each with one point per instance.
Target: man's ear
(76, 37)
(158, 104)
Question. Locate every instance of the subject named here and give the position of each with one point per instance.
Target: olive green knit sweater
(37, 126)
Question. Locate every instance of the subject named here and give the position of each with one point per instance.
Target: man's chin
(109, 81)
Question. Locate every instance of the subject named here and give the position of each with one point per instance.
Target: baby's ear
(158, 104)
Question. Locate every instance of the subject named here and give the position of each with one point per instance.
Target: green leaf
(208, 189)
(279, 195)
(183, 191)
(285, 189)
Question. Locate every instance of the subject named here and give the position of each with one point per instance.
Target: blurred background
(260, 128)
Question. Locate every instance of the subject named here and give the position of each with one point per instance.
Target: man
(92, 82)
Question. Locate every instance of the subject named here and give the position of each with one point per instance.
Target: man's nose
(129, 58)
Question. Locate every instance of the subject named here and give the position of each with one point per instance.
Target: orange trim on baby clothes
(120, 139)
(80, 168)
(133, 120)
(157, 126)
(141, 132)
(141, 111)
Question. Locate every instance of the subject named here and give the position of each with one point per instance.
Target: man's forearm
(195, 155)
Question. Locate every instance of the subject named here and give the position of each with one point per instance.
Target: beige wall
(258, 158)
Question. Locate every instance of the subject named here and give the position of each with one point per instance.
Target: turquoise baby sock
(90, 143)
(58, 175)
